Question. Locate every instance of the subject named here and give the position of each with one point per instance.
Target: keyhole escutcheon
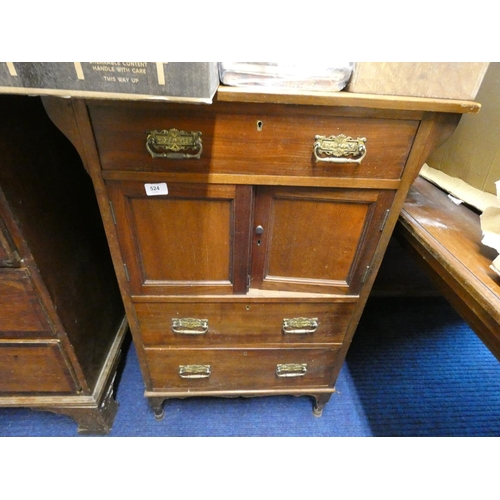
(259, 230)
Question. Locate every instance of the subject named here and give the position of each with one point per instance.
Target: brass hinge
(386, 216)
(365, 275)
(112, 212)
(126, 272)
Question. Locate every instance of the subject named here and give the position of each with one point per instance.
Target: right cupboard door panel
(315, 240)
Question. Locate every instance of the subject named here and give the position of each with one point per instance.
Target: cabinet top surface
(344, 99)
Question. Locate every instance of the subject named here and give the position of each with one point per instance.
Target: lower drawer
(34, 367)
(197, 324)
(205, 370)
(21, 314)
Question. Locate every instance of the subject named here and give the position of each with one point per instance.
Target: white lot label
(157, 189)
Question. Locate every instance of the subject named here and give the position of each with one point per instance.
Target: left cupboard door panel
(191, 239)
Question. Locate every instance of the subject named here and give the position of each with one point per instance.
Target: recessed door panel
(315, 240)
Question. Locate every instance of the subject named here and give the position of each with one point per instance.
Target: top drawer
(253, 139)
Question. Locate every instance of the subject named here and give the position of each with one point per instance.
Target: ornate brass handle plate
(190, 326)
(339, 149)
(291, 370)
(300, 326)
(194, 371)
(174, 144)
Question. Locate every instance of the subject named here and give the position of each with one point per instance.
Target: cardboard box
(467, 165)
(172, 81)
(472, 153)
(446, 80)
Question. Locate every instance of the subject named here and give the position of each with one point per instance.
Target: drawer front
(243, 322)
(240, 370)
(21, 315)
(249, 139)
(33, 367)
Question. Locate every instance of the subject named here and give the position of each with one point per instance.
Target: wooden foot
(319, 404)
(157, 407)
(318, 411)
(92, 421)
(97, 421)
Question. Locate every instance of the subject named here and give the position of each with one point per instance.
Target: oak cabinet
(247, 234)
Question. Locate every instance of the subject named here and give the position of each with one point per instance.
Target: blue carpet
(414, 369)
(419, 370)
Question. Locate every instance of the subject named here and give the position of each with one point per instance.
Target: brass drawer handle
(339, 149)
(291, 370)
(190, 326)
(173, 144)
(194, 371)
(300, 326)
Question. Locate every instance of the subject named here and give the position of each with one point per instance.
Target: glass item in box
(300, 76)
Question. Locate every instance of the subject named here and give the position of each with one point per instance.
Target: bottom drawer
(234, 369)
(33, 367)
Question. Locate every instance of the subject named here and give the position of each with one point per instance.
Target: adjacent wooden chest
(62, 321)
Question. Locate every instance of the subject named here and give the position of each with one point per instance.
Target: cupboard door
(192, 240)
(315, 240)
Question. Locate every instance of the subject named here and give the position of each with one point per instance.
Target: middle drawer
(243, 322)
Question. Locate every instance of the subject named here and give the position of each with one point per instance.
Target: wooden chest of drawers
(62, 321)
(246, 235)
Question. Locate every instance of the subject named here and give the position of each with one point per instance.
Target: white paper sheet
(487, 203)
(490, 226)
